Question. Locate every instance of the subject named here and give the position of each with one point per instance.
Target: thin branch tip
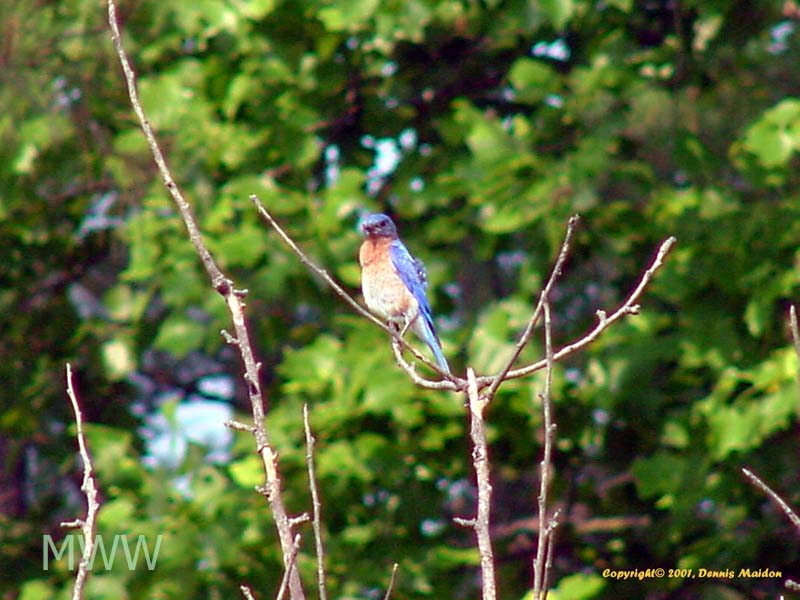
(391, 582)
(773, 495)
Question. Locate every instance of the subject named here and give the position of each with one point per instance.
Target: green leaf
(494, 336)
(452, 557)
(346, 15)
(730, 429)
(558, 12)
(243, 246)
(623, 5)
(256, 9)
(659, 475)
(114, 512)
(776, 135)
(247, 472)
(532, 80)
(578, 586)
(36, 590)
(179, 335)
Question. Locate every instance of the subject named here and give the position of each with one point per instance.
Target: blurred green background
(480, 126)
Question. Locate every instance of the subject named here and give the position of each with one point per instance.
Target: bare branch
(323, 274)
(774, 496)
(795, 335)
(246, 592)
(441, 384)
(391, 582)
(238, 426)
(316, 506)
(526, 335)
(233, 299)
(545, 531)
(290, 568)
(629, 307)
(480, 461)
(90, 490)
(548, 565)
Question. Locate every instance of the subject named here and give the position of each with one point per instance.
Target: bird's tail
(424, 329)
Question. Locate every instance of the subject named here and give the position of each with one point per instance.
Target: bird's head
(377, 225)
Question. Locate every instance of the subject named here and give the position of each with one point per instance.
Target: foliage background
(480, 126)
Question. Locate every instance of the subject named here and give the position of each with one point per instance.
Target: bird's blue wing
(412, 274)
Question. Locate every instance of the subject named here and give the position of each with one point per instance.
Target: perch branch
(442, 384)
(323, 274)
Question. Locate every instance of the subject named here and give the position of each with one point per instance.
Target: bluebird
(394, 283)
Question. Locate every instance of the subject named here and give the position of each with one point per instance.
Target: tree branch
(454, 383)
(290, 568)
(526, 335)
(546, 530)
(795, 335)
(782, 504)
(316, 506)
(629, 307)
(233, 299)
(391, 582)
(480, 461)
(440, 384)
(90, 490)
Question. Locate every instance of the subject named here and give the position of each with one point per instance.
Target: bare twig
(89, 489)
(545, 531)
(629, 307)
(526, 335)
(246, 592)
(548, 565)
(480, 461)
(391, 582)
(322, 273)
(239, 426)
(774, 496)
(290, 568)
(316, 506)
(233, 298)
(795, 334)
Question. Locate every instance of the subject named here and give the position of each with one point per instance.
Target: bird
(394, 282)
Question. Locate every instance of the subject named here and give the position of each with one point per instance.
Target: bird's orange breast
(384, 291)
